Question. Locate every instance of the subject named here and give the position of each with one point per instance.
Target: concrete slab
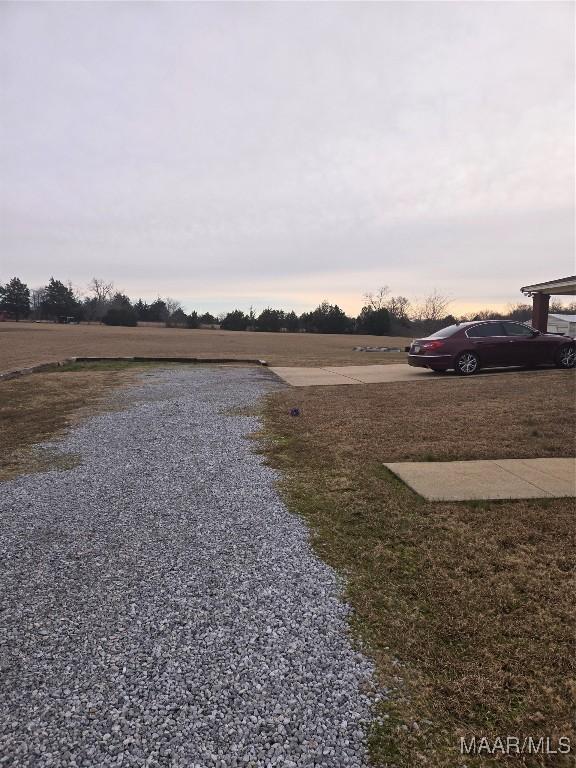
(490, 479)
(311, 377)
(563, 469)
(298, 376)
(353, 374)
(375, 374)
(558, 476)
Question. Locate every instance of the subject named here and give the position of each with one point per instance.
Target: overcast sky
(237, 154)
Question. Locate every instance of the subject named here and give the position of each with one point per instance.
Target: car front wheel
(566, 357)
(466, 364)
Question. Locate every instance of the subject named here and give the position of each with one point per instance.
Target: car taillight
(432, 344)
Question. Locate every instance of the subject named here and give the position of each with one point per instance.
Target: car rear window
(487, 329)
(445, 332)
(518, 329)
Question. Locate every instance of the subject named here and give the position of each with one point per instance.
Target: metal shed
(541, 292)
(562, 324)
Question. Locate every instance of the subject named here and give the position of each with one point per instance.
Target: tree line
(59, 302)
(382, 313)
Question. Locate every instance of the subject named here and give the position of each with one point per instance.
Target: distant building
(562, 324)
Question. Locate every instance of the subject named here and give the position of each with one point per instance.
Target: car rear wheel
(566, 357)
(466, 364)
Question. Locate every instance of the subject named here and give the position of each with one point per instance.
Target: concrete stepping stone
(489, 479)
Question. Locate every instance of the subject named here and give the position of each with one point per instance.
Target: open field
(467, 608)
(26, 344)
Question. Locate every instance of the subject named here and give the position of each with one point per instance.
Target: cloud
(243, 150)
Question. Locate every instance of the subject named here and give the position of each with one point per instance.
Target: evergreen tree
(178, 319)
(158, 311)
(192, 321)
(120, 301)
(270, 320)
(142, 310)
(93, 309)
(326, 318)
(235, 321)
(15, 298)
(291, 322)
(59, 301)
(373, 321)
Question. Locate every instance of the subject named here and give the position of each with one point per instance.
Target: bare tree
(75, 291)
(519, 311)
(482, 314)
(377, 300)
(101, 289)
(434, 307)
(172, 305)
(558, 307)
(100, 301)
(37, 296)
(398, 306)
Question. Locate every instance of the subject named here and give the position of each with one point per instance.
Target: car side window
(517, 329)
(487, 329)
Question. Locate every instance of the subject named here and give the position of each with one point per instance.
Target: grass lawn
(468, 607)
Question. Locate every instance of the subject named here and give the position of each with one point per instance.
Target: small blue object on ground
(294, 411)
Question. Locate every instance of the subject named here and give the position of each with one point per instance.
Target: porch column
(540, 302)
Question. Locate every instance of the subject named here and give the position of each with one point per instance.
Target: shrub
(121, 316)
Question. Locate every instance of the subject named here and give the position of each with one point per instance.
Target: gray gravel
(160, 606)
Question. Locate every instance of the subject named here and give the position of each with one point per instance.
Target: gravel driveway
(160, 606)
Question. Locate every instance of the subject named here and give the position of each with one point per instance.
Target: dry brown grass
(499, 415)
(37, 407)
(466, 607)
(26, 344)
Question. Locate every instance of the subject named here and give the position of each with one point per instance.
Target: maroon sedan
(467, 347)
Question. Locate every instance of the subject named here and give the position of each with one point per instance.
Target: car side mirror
(535, 333)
